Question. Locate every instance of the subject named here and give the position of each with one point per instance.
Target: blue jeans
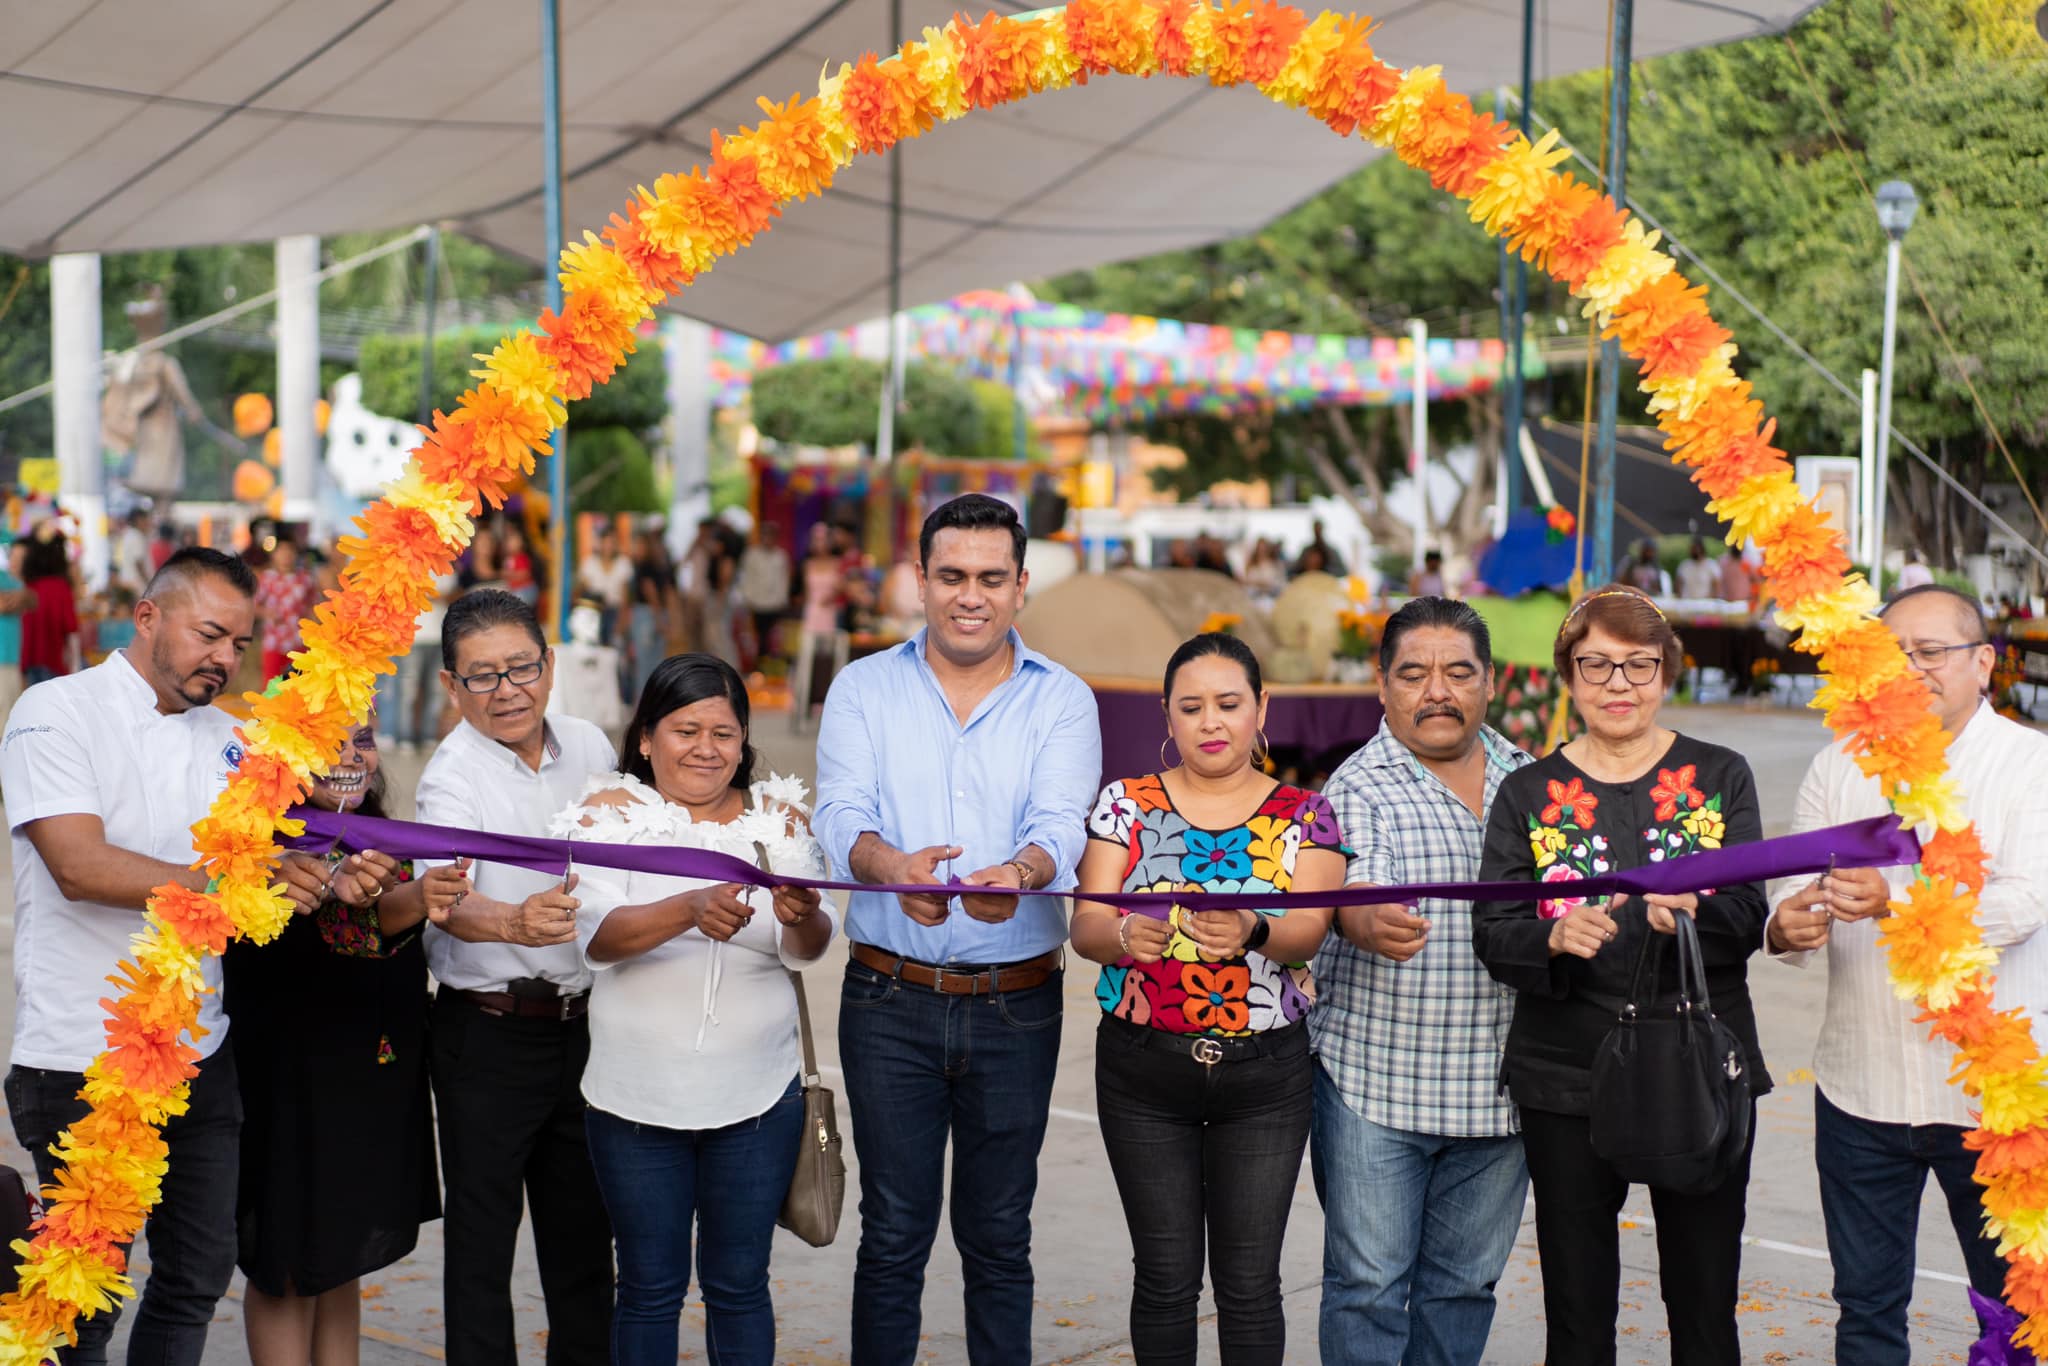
(728, 1183)
(1871, 1176)
(191, 1235)
(1416, 1231)
(922, 1068)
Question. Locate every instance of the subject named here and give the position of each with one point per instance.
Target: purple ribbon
(1879, 842)
(1999, 1322)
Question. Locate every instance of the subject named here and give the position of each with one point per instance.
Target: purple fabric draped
(1996, 1347)
(1879, 842)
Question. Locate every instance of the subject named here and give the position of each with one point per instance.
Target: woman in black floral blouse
(1627, 793)
(328, 1025)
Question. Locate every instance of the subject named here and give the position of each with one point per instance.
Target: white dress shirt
(695, 1033)
(94, 744)
(475, 783)
(1872, 1059)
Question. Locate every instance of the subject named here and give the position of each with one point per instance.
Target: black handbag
(1670, 1097)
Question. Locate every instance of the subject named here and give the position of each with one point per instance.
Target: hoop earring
(1262, 751)
(1163, 765)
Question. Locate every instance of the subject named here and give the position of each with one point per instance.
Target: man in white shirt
(131, 553)
(1885, 1112)
(606, 576)
(105, 771)
(1699, 578)
(509, 1036)
(765, 583)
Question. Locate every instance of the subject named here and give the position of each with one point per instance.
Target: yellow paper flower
(1627, 267)
(518, 367)
(591, 267)
(443, 503)
(1753, 511)
(1514, 184)
(1823, 616)
(942, 74)
(1681, 395)
(1399, 114)
(1300, 75)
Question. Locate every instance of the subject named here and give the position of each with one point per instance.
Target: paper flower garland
(664, 237)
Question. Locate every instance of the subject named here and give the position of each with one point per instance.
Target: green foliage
(636, 397)
(610, 470)
(998, 439)
(1733, 152)
(837, 402)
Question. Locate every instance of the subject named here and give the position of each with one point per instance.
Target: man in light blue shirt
(960, 755)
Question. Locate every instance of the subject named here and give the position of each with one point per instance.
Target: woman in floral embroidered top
(1202, 1069)
(1628, 792)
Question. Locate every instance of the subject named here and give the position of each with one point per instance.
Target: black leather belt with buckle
(1210, 1049)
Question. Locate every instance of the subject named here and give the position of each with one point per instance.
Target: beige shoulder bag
(817, 1188)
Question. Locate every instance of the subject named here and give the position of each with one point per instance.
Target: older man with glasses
(1885, 1113)
(510, 1035)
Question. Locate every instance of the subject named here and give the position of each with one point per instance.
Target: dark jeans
(1197, 1149)
(507, 1094)
(1871, 1177)
(190, 1235)
(922, 1068)
(723, 1185)
(1578, 1241)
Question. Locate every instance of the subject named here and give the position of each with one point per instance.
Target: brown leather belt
(527, 1007)
(1032, 972)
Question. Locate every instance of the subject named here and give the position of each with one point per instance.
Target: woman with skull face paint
(329, 1035)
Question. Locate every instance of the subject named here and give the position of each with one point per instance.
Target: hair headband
(1611, 593)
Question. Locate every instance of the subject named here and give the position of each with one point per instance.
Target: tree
(636, 398)
(1734, 152)
(837, 402)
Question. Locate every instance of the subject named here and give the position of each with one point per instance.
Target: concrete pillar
(298, 372)
(687, 356)
(75, 362)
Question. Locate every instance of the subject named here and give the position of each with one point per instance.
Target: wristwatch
(1261, 932)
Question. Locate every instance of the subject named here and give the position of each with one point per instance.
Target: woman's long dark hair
(675, 683)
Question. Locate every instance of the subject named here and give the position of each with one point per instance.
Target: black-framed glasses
(1599, 668)
(518, 675)
(1928, 658)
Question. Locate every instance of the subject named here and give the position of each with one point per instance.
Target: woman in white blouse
(695, 1110)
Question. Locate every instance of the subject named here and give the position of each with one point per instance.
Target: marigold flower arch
(114, 1158)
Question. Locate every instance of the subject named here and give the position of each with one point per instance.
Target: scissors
(1823, 908)
(569, 868)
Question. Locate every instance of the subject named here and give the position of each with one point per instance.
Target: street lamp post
(1896, 207)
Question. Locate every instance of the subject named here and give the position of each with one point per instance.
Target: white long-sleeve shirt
(1872, 1059)
(696, 1033)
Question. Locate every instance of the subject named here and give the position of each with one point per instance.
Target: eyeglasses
(1599, 668)
(518, 675)
(1928, 658)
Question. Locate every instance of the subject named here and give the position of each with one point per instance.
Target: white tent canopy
(134, 124)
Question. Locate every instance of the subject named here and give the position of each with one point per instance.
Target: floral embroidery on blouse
(1686, 820)
(1184, 993)
(1565, 844)
(352, 931)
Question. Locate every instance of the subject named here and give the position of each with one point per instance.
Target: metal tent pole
(551, 210)
(1601, 477)
(1518, 308)
(892, 378)
(1510, 463)
(430, 297)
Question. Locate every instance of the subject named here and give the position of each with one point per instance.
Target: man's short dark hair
(187, 566)
(1417, 613)
(1967, 608)
(971, 512)
(481, 610)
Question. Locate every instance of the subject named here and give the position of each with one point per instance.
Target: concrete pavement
(1082, 1252)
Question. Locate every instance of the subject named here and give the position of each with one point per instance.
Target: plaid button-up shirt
(1415, 1045)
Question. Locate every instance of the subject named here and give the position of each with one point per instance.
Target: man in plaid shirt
(1415, 1148)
